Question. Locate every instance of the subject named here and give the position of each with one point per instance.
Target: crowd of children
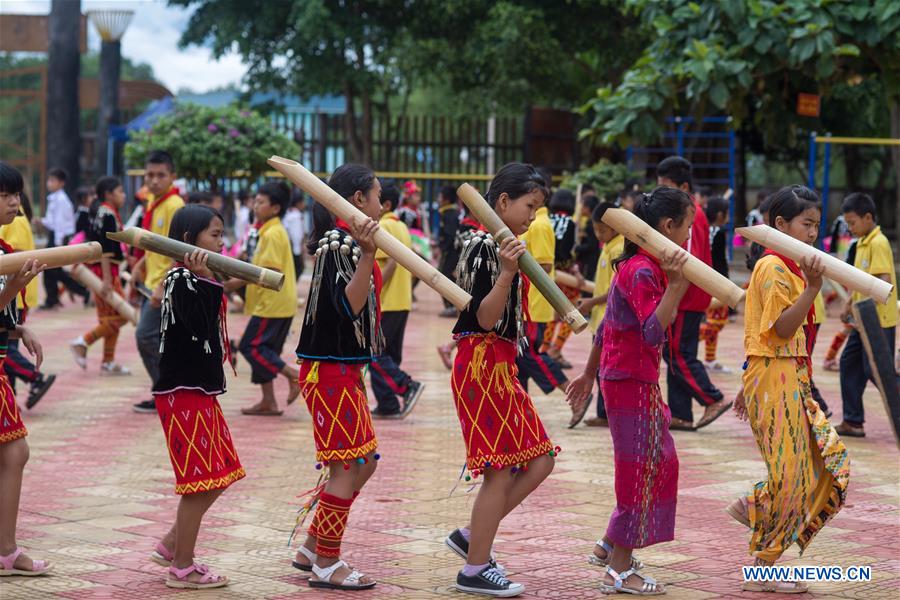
(643, 313)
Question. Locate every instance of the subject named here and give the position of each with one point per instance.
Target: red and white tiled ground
(98, 490)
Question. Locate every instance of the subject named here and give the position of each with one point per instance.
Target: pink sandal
(178, 578)
(38, 567)
(162, 556)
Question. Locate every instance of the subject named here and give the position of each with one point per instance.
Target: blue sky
(152, 38)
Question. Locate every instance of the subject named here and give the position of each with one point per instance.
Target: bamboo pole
(843, 273)
(569, 280)
(393, 247)
(88, 279)
(695, 270)
(60, 256)
(152, 242)
(536, 274)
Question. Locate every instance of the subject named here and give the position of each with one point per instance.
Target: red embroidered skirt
(200, 446)
(499, 423)
(335, 395)
(11, 425)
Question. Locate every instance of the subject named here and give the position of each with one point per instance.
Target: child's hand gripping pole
(536, 274)
(695, 270)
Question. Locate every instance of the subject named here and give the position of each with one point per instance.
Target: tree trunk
(63, 68)
(354, 144)
(108, 112)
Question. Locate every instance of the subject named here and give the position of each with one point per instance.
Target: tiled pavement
(98, 491)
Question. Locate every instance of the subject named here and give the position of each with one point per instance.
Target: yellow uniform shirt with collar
(874, 256)
(540, 242)
(273, 251)
(158, 265)
(18, 235)
(819, 305)
(603, 278)
(396, 295)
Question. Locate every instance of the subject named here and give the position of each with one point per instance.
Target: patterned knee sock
(314, 526)
(331, 521)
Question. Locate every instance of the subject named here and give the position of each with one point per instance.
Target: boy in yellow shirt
(271, 312)
(17, 366)
(874, 256)
(388, 379)
(613, 246)
(162, 202)
(540, 241)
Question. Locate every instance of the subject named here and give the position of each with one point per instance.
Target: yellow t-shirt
(874, 256)
(396, 295)
(18, 235)
(540, 242)
(273, 251)
(820, 309)
(771, 290)
(603, 279)
(157, 264)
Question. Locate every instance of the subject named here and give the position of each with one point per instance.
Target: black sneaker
(459, 544)
(147, 406)
(488, 582)
(38, 389)
(414, 389)
(390, 415)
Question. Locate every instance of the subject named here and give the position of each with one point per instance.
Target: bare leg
(13, 456)
(489, 508)
(526, 482)
(191, 509)
(292, 374)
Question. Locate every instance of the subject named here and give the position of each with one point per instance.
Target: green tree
(209, 143)
(476, 57)
(750, 59)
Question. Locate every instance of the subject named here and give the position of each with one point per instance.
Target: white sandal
(649, 587)
(351, 582)
(80, 360)
(775, 587)
(595, 560)
(7, 566)
(310, 555)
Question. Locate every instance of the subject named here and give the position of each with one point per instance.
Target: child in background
(613, 246)
(17, 366)
(271, 311)
(84, 198)
(504, 437)
(716, 317)
(193, 348)
(13, 447)
(341, 334)
(831, 363)
(587, 250)
(874, 256)
(807, 463)
(388, 379)
(293, 223)
(562, 208)
(105, 219)
(448, 207)
(643, 303)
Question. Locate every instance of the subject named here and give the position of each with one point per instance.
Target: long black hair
(661, 203)
(25, 206)
(104, 186)
(346, 181)
(516, 179)
(191, 220)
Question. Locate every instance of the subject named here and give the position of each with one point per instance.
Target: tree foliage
(483, 56)
(208, 143)
(607, 178)
(748, 59)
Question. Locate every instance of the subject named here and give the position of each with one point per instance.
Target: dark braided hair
(661, 203)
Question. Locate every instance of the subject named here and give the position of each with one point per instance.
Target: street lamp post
(111, 25)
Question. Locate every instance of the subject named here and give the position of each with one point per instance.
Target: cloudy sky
(152, 38)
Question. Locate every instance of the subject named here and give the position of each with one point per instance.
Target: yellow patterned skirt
(808, 466)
